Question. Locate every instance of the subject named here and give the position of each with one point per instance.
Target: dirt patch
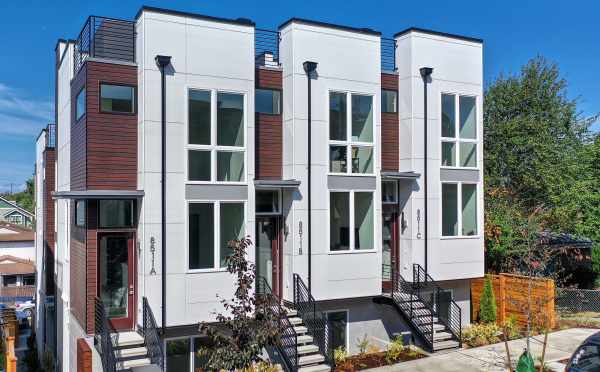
(373, 360)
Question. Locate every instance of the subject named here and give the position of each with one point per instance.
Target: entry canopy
(99, 194)
(282, 184)
(400, 175)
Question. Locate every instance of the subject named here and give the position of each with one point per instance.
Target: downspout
(425, 74)
(162, 62)
(310, 68)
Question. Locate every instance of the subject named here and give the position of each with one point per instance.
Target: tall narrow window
(459, 131)
(232, 228)
(363, 221)
(201, 236)
(389, 101)
(449, 209)
(354, 141)
(339, 226)
(199, 117)
(117, 98)
(469, 209)
(80, 107)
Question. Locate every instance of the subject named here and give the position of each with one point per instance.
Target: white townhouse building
(352, 161)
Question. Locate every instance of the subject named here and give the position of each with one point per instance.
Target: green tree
(26, 198)
(487, 302)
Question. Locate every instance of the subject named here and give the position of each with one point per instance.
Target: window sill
(461, 237)
(242, 183)
(352, 251)
(458, 168)
(206, 271)
(352, 174)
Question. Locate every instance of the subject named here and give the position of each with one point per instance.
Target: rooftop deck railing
(105, 38)
(388, 55)
(266, 42)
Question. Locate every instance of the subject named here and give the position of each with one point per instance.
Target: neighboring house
(11, 212)
(17, 261)
(17, 241)
(354, 212)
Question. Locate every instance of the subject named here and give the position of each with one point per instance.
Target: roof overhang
(281, 184)
(400, 175)
(99, 194)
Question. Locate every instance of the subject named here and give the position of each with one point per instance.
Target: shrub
(481, 334)
(487, 303)
(511, 327)
(340, 355)
(394, 351)
(362, 344)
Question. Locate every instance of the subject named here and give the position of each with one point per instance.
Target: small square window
(267, 201)
(199, 165)
(389, 101)
(115, 213)
(230, 166)
(117, 98)
(268, 101)
(338, 159)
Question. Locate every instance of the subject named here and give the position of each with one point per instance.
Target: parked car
(587, 356)
(26, 307)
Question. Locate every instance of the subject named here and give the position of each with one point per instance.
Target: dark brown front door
(116, 274)
(390, 247)
(268, 251)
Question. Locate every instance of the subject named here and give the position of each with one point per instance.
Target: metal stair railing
(453, 320)
(287, 345)
(404, 295)
(314, 319)
(152, 339)
(104, 334)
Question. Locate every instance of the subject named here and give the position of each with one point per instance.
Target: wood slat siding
(269, 131)
(49, 187)
(510, 292)
(78, 135)
(77, 270)
(91, 262)
(390, 130)
(111, 138)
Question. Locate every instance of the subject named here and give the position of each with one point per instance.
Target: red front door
(268, 251)
(390, 247)
(116, 274)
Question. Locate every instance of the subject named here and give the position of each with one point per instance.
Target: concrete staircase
(130, 351)
(310, 358)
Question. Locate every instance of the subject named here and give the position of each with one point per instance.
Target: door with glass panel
(390, 247)
(116, 278)
(268, 252)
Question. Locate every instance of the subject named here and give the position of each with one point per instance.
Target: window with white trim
(354, 140)
(216, 149)
(459, 131)
(351, 221)
(459, 209)
(211, 225)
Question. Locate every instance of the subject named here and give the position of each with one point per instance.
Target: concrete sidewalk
(561, 345)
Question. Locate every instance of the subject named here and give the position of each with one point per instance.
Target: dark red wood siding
(111, 138)
(77, 269)
(49, 187)
(269, 131)
(390, 129)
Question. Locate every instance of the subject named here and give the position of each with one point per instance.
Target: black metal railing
(314, 319)
(388, 54)
(104, 337)
(429, 291)
(266, 42)
(152, 339)
(288, 339)
(51, 136)
(405, 296)
(105, 38)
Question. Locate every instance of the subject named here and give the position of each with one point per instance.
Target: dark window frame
(280, 101)
(78, 116)
(135, 100)
(133, 215)
(76, 214)
(397, 101)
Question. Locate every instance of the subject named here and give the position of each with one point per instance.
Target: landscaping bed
(378, 359)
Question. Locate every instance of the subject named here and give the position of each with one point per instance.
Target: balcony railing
(105, 38)
(51, 136)
(266, 47)
(388, 55)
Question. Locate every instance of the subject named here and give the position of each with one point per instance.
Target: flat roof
(437, 33)
(237, 21)
(99, 194)
(365, 30)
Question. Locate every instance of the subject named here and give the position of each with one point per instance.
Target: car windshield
(586, 359)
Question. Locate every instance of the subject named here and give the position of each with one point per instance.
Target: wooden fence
(511, 293)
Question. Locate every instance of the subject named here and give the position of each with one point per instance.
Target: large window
(351, 221)
(216, 143)
(356, 139)
(459, 209)
(80, 107)
(459, 131)
(211, 226)
(117, 98)
(268, 101)
(116, 213)
(267, 202)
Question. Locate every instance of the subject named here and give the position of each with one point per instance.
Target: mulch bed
(372, 360)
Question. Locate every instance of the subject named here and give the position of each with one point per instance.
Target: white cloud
(21, 115)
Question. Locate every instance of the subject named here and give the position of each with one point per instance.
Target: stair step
(291, 312)
(443, 345)
(307, 349)
(140, 351)
(128, 339)
(438, 327)
(295, 320)
(133, 363)
(304, 339)
(439, 336)
(310, 359)
(300, 330)
(317, 368)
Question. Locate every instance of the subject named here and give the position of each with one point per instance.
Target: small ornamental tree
(487, 303)
(248, 324)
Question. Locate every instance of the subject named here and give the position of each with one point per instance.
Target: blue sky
(514, 31)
